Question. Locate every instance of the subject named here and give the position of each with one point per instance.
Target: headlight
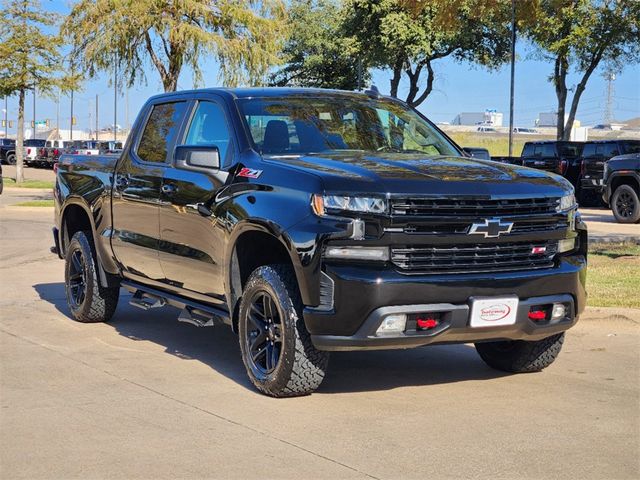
(567, 202)
(323, 204)
(380, 254)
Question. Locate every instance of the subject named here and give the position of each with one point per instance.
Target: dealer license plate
(493, 311)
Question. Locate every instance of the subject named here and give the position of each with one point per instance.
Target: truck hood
(402, 173)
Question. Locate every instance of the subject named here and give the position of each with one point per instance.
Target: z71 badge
(249, 173)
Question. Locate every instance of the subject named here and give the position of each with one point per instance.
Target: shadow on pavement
(218, 348)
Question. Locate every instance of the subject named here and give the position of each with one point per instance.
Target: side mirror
(197, 157)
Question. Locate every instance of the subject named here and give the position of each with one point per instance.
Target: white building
(488, 117)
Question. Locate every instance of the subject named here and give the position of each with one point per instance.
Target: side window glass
(160, 131)
(209, 127)
(527, 151)
(538, 151)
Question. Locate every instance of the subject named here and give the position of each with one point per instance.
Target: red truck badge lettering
(249, 173)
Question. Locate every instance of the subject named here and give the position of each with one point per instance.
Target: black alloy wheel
(77, 279)
(264, 333)
(625, 204)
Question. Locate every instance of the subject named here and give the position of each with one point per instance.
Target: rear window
(569, 149)
(589, 150)
(35, 143)
(607, 149)
(631, 147)
(160, 132)
(527, 151)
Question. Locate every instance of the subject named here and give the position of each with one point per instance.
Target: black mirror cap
(197, 157)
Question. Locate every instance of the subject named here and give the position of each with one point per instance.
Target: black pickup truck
(622, 187)
(7, 151)
(561, 157)
(315, 220)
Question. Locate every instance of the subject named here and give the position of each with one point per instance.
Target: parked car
(100, 148)
(560, 157)
(594, 157)
(51, 152)
(7, 151)
(33, 148)
(525, 131)
(1, 179)
(486, 129)
(622, 187)
(314, 220)
(477, 152)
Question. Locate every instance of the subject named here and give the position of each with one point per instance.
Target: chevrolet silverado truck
(311, 221)
(622, 187)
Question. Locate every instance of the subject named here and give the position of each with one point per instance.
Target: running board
(196, 313)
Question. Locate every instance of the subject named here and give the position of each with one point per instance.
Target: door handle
(121, 182)
(169, 189)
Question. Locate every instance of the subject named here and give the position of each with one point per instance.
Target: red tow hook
(426, 323)
(537, 315)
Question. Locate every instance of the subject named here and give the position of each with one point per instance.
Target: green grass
(35, 203)
(498, 145)
(10, 182)
(613, 277)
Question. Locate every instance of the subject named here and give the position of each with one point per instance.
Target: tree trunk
(20, 139)
(428, 89)
(578, 93)
(559, 80)
(397, 75)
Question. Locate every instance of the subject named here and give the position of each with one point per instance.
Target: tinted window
(589, 150)
(160, 131)
(294, 125)
(631, 147)
(527, 151)
(209, 127)
(549, 150)
(607, 149)
(569, 149)
(35, 143)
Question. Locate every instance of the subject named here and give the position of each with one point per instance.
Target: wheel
(276, 348)
(625, 204)
(88, 300)
(520, 356)
(11, 159)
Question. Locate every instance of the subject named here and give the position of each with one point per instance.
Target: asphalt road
(148, 397)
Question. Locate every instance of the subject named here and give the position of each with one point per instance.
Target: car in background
(477, 152)
(1, 179)
(525, 131)
(100, 148)
(594, 157)
(622, 187)
(32, 149)
(484, 129)
(561, 157)
(51, 152)
(7, 151)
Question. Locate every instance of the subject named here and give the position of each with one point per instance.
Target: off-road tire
(520, 356)
(632, 198)
(99, 302)
(301, 367)
(11, 159)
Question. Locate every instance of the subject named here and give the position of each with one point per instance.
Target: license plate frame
(493, 311)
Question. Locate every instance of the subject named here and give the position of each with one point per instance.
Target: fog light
(558, 311)
(393, 324)
(566, 245)
(358, 253)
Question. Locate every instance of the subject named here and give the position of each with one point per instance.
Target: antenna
(608, 112)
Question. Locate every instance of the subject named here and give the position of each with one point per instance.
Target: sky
(458, 87)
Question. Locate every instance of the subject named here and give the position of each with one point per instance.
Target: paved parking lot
(148, 397)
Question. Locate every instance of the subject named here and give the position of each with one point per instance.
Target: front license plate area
(493, 311)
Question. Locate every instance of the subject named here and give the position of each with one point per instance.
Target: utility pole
(6, 117)
(513, 73)
(71, 119)
(115, 101)
(97, 138)
(608, 112)
(34, 111)
(126, 109)
(58, 117)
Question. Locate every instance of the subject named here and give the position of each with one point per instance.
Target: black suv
(594, 157)
(622, 187)
(7, 151)
(554, 156)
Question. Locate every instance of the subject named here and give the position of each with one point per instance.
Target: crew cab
(560, 157)
(314, 220)
(622, 187)
(594, 157)
(33, 148)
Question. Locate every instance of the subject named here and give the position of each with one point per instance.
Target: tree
(584, 34)
(408, 36)
(244, 35)
(29, 59)
(317, 53)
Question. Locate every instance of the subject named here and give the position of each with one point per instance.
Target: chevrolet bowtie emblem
(491, 228)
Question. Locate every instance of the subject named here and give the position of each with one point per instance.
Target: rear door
(136, 192)
(192, 237)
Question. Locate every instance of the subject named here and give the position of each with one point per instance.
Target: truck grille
(474, 258)
(594, 168)
(472, 207)
(526, 226)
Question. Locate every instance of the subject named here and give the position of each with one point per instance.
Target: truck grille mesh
(474, 258)
(472, 207)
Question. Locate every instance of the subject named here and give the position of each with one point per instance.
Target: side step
(196, 313)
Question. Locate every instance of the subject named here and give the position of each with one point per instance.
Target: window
(160, 131)
(631, 147)
(607, 150)
(300, 125)
(209, 127)
(589, 150)
(527, 150)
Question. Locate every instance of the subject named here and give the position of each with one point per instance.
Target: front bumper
(362, 293)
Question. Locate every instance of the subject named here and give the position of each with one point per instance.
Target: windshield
(291, 125)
